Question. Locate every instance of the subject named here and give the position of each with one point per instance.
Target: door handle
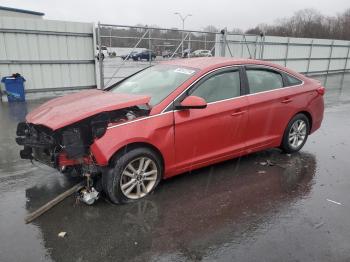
(238, 113)
(286, 100)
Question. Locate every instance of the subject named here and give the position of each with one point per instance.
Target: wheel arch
(128, 147)
(309, 117)
(304, 112)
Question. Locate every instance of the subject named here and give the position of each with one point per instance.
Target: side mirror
(192, 102)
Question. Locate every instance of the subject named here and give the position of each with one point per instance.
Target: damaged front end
(68, 148)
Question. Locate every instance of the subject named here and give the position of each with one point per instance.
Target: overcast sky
(220, 13)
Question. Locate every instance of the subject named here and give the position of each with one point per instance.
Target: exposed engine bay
(68, 148)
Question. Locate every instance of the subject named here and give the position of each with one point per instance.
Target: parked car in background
(144, 55)
(201, 53)
(104, 52)
(168, 54)
(171, 118)
(128, 56)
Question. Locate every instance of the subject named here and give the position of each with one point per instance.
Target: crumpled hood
(66, 110)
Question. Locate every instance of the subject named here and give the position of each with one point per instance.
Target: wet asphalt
(297, 209)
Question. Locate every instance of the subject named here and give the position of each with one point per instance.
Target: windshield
(157, 82)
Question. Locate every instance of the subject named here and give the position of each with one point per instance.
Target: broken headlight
(99, 125)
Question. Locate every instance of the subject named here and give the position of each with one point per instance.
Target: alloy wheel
(139, 177)
(297, 134)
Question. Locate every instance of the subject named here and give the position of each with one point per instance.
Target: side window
(292, 81)
(219, 87)
(261, 80)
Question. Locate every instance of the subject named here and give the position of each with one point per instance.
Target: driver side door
(205, 136)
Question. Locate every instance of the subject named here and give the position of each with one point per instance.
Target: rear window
(261, 80)
(292, 81)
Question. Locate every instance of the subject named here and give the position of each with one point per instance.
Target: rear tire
(296, 134)
(135, 175)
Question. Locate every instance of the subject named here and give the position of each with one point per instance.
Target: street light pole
(183, 18)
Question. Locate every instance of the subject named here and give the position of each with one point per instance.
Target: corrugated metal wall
(51, 55)
(304, 55)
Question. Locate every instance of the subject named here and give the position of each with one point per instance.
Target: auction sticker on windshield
(184, 71)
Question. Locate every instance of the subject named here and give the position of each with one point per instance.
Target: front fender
(103, 152)
(157, 130)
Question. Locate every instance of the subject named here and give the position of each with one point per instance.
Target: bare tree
(309, 23)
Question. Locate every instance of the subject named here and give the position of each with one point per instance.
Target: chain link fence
(128, 49)
(125, 50)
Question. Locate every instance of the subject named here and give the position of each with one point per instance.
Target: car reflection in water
(189, 216)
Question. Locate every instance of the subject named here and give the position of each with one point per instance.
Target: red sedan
(171, 118)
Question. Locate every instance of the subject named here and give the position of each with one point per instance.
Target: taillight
(321, 90)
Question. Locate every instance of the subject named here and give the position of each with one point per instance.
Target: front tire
(134, 176)
(296, 134)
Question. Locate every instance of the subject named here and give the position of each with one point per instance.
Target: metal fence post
(325, 80)
(241, 43)
(110, 38)
(223, 42)
(94, 47)
(344, 71)
(149, 47)
(287, 50)
(189, 46)
(256, 45)
(309, 59)
(330, 57)
(347, 59)
(100, 60)
(182, 39)
(262, 47)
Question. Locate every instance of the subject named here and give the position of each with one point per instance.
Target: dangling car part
(88, 194)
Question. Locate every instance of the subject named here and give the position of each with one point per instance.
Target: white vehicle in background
(201, 53)
(104, 52)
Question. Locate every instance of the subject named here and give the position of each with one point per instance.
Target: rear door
(203, 135)
(269, 108)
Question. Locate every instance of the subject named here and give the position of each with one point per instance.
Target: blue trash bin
(14, 86)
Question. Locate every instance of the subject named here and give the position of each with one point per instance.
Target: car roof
(209, 63)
